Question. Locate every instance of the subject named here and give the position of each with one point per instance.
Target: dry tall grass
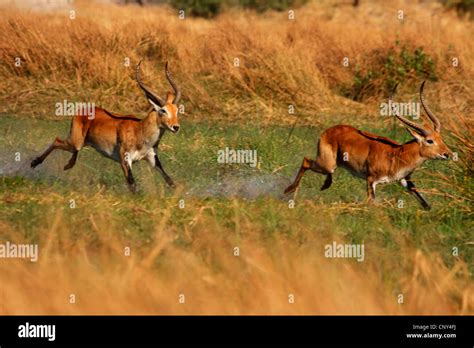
(214, 280)
(282, 61)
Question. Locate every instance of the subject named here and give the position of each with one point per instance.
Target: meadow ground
(183, 241)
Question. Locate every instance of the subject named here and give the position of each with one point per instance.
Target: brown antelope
(125, 139)
(375, 158)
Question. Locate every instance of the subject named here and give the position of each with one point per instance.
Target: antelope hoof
(289, 189)
(68, 166)
(133, 188)
(170, 183)
(325, 186)
(370, 201)
(35, 162)
(426, 206)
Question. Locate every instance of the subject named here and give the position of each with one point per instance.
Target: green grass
(31, 198)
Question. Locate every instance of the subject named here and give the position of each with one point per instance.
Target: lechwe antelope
(125, 139)
(376, 158)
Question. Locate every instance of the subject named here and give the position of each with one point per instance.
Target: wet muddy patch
(246, 186)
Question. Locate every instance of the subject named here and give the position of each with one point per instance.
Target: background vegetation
(211, 8)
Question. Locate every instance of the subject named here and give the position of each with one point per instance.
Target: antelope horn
(436, 123)
(403, 119)
(177, 92)
(149, 94)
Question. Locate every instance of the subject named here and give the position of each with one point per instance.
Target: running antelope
(375, 158)
(125, 139)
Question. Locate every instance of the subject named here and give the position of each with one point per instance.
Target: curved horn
(177, 92)
(404, 120)
(149, 94)
(436, 123)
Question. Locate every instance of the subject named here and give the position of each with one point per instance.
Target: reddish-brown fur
(125, 139)
(374, 158)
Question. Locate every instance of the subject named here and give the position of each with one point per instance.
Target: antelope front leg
(370, 189)
(410, 186)
(154, 161)
(167, 178)
(127, 170)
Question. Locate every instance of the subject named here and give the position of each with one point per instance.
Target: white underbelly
(137, 155)
(383, 180)
(130, 157)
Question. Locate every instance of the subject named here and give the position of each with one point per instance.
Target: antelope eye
(429, 141)
(162, 112)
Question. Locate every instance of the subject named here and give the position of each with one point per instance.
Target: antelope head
(167, 110)
(430, 142)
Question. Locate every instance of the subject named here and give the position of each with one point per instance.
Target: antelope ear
(152, 103)
(416, 135)
(169, 98)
